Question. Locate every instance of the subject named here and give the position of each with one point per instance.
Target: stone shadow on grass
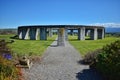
(53, 45)
(77, 39)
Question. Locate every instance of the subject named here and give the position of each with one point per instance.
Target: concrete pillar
(66, 34)
(37, 33)
(71, 32)
(93, 34)
(81, 33)
(43, 33)
(61, 37)
(32, 33)
(100, 33)
(20, 33)
(27, 34)
(50, 32)
(86, 32)
(23, 32)
(103, 33)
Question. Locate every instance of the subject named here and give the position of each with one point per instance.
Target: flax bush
(106, 60)
(7, 70)
(109, 61)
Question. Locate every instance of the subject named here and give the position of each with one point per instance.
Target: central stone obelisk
(61, 37)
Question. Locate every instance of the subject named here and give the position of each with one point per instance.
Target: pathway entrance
(61, 63)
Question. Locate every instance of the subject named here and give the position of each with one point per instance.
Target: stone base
(24, 63)
(25, 66)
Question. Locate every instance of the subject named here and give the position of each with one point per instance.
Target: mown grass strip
(28, 47)
(90, 45)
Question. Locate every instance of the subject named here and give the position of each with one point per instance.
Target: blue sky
(14, 13)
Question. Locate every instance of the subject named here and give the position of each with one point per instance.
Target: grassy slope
(34, 47)
(89, 45)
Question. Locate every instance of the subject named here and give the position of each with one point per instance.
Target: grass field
(90, 45)
(37, 47)
(28, 47)
(6, 37)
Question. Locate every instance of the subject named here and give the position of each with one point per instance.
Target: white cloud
(110, 25)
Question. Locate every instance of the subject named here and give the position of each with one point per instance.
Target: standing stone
(71, 32)
(100, 33)
(23, 32)
(61, 37)
(50, 32)
(103, 33)
(93, 34)
(66, 34)
(20, 33)
(37, 33)
(27, 34)
(43, 34)
(32, 33)
(81, 33)
(86, 32)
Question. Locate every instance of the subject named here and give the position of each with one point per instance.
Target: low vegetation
(12, 50)
(106, 60)
(104, 55)
(8, 71)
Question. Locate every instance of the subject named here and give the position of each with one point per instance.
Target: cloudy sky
(14, 13)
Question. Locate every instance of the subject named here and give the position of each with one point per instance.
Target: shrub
(7, 70)
(90, 58)
(108, 61)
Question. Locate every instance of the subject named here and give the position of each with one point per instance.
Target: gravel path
(61, 63)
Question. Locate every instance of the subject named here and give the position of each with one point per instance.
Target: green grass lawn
(90, 45)
(28, 47)
(37, 47)
(6, 37)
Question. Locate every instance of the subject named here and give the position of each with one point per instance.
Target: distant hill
(8, 31)
(112, 30)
